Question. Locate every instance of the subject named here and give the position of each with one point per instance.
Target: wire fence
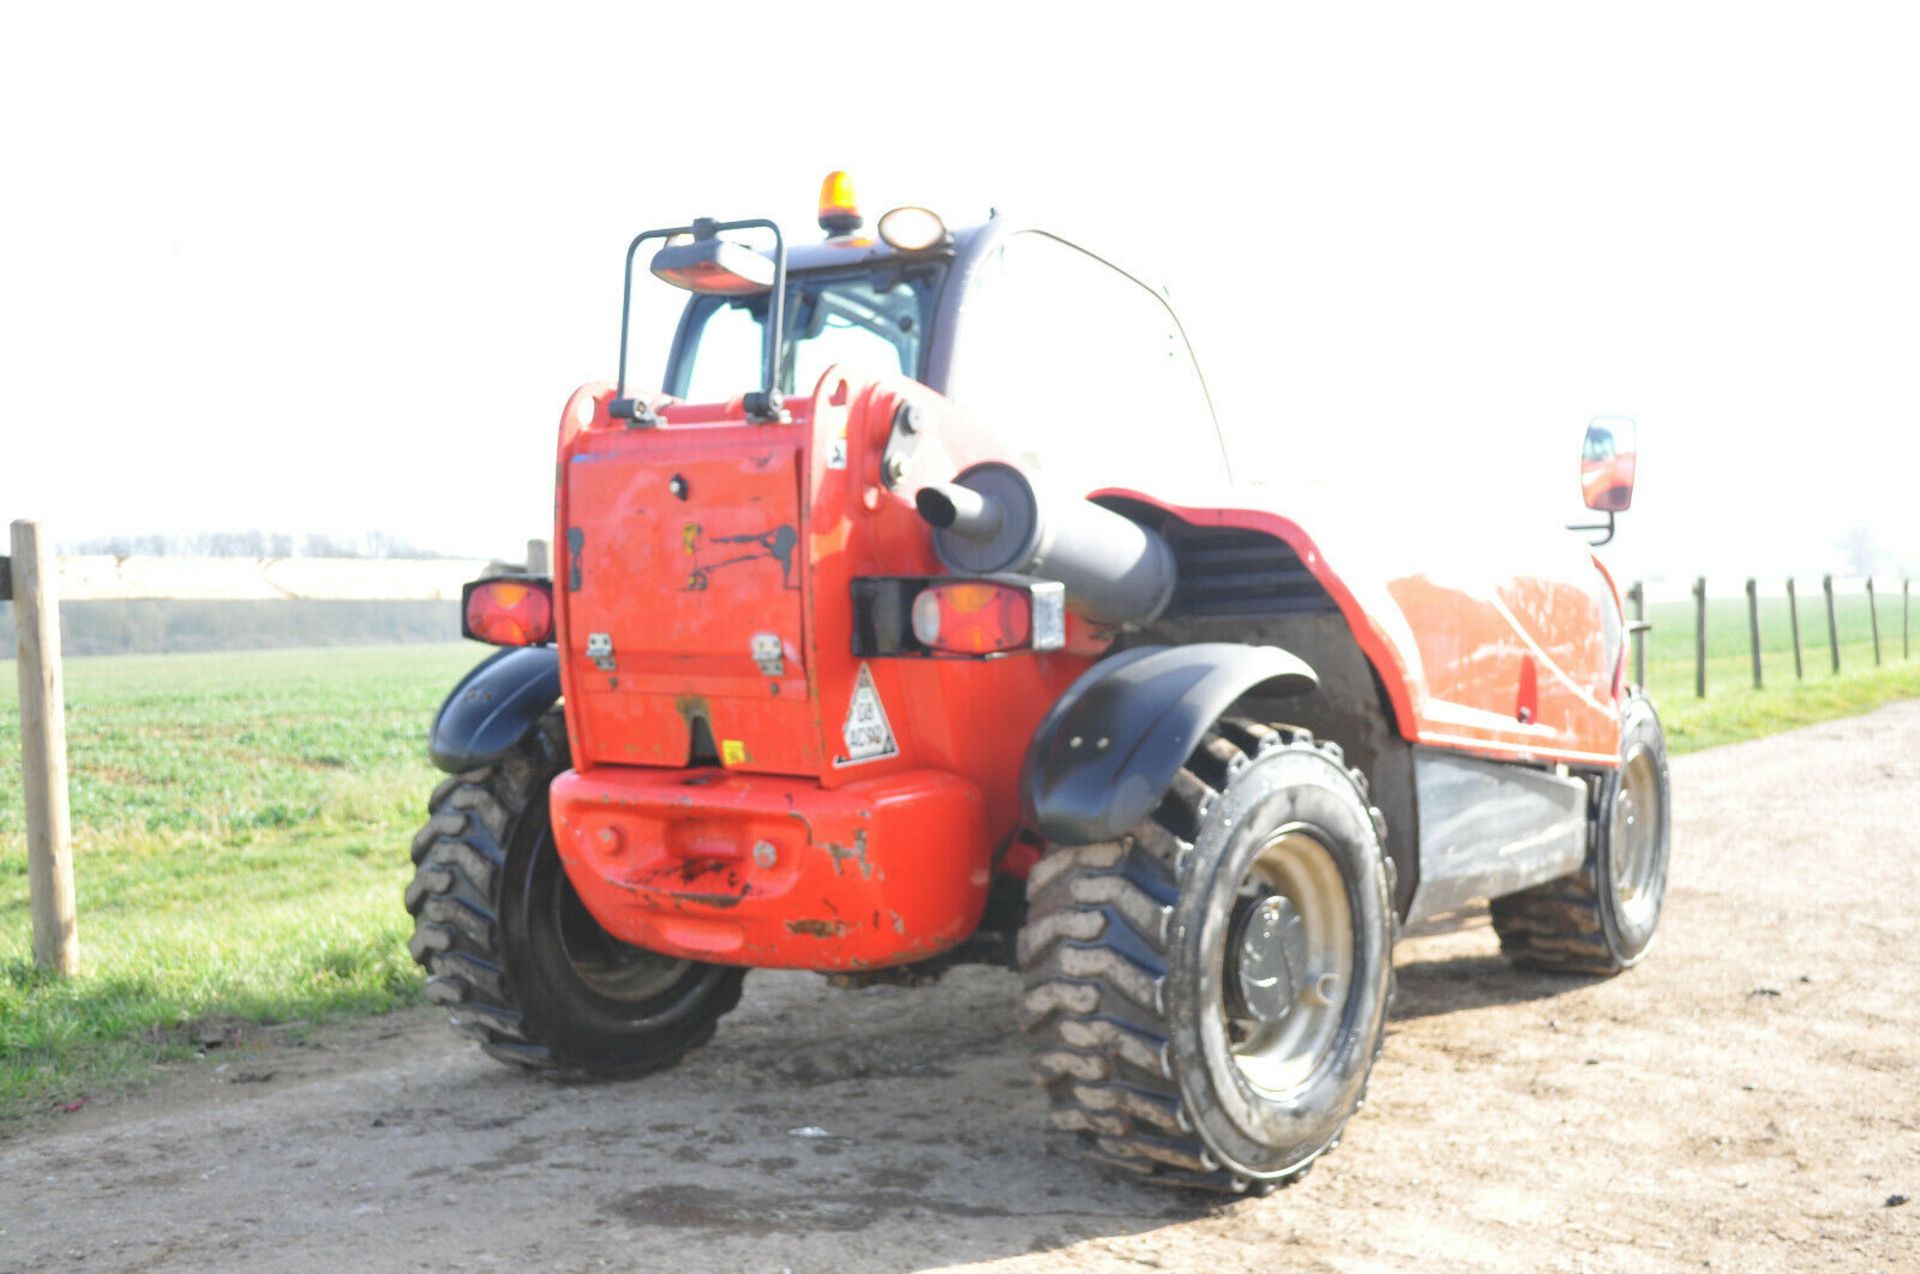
(1789, 628)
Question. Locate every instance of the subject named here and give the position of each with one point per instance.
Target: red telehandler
(923, 619)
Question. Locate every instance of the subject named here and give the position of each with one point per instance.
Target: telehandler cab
(921, 620)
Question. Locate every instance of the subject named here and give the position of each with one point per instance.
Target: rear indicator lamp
(514, 611)
(978, 617)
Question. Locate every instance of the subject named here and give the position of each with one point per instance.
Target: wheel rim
(1634, 839)
(1289, 963)
(603, 964)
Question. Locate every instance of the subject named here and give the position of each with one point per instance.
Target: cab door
(1084, 371)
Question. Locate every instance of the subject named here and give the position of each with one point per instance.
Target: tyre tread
(1093, 957)
(454, 897)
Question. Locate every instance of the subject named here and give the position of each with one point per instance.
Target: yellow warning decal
(733, 752)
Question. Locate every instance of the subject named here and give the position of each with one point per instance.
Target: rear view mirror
(1607, 463)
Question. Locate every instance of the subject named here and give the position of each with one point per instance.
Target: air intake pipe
(990, 521)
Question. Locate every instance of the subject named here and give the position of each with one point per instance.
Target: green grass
(1733, 709)
(240, 831)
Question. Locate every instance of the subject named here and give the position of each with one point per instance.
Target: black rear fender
(1110, 747)
(494, 707)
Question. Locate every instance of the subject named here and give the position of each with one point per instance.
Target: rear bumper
(770, 872)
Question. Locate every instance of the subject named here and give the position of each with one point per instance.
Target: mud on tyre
(515, 956)
(1207, 994)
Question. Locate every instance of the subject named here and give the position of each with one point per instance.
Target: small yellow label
(732, 752)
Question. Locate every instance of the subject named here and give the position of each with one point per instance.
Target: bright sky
(339, 268)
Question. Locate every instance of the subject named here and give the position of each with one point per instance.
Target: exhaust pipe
(991, 521)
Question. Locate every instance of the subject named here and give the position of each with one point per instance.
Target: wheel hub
(1288, 962)
(1266, 959)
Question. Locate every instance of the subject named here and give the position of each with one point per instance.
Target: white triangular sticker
(868, 736)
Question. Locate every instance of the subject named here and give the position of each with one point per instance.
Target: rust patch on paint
(711, 900)
(858, 854)
(817, 928)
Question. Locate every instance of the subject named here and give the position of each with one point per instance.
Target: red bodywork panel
(703, 580)
(680, 579)
(1462, 655)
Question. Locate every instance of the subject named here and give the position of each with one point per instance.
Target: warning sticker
(868, 736)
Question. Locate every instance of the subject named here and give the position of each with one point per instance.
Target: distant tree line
(371, 544)
(154, 627)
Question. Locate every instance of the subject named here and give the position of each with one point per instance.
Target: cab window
(1084, 372)
(875, 320)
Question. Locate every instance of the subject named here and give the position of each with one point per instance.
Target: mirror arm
(1606, 527)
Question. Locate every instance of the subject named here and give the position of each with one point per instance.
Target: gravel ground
(1748, 1098)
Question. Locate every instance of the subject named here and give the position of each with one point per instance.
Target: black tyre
(1600, 920)
(515, 956)
(1206, 995)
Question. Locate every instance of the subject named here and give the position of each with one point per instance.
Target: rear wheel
(1600, 920)
(514, 954)
(1207, 994)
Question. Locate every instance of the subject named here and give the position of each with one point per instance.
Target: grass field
(241, 824)
(1733, 710)
(240, 844)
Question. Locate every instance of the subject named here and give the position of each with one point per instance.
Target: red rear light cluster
(980, 616)
(972, 618)
(515, 611)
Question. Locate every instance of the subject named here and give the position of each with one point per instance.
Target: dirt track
(1748, 1098)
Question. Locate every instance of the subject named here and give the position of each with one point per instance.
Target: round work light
(913, 229)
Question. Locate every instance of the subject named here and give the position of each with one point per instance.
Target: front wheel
(1600, 920)
(1207, 994)
(516, 957)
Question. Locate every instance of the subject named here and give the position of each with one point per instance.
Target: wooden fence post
(1793, 613)
(43, 750)
(1638, 596)
(1833, 629)
(1873, 611)
(1906, 645)
(538, 560)
(1700, 637)
(1753, 627)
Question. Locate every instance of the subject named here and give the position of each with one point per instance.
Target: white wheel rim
(1633, 840)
